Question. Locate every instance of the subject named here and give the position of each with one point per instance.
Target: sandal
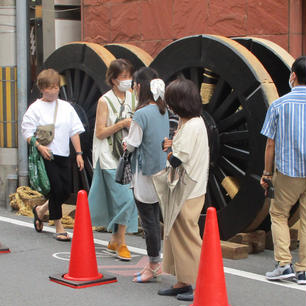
(57, 236)
(38, 227)
(144, 269)
(154, 273)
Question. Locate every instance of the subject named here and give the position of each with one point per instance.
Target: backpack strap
(110, 138)
(133, 102)
(111, 104)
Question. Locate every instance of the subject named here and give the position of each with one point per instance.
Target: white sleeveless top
(101, 150)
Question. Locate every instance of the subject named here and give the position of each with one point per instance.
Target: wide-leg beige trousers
(182, 248)
(288, 190)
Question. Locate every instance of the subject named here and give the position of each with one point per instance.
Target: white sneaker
(280, 273)
(301, 277)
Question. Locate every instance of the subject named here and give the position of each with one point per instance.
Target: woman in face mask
(111, 204)
(67, 126)
(149, 127)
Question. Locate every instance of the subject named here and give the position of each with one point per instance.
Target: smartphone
(51, 155)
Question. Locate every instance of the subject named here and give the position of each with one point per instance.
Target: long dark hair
(144, 76)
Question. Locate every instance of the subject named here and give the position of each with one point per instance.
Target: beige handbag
(45, 133)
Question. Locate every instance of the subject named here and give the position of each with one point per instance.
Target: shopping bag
(38, 177)
(123, 172)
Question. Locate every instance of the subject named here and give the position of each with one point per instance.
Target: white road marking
(261, 278)
(139, 251)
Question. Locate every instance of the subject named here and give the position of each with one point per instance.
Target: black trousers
(150, 219)
(59, 174)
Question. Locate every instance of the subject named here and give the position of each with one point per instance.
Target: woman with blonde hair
(47, 110)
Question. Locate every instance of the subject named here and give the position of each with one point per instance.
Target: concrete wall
(72, 31)
(7, 33)
(8, 166)
(153, 24)
(8, 156)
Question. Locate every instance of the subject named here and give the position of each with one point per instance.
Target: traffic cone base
(83, 279)
(83, 268)
(4, 249)
(60, 279)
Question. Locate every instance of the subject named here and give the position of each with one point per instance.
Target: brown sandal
(57, 236)
(36, 219)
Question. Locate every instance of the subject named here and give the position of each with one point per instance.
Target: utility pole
(43, 20)
(48, 26)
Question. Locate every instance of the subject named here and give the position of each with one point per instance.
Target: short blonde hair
(48, 78)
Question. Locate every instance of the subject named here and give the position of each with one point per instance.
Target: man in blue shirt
(285, 128)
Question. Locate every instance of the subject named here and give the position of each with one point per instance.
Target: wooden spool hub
(234, 115)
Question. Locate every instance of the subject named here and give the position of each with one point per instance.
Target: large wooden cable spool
(135, 55)
(237, 84)
(277, 61)
(82, 66)
(233, 115)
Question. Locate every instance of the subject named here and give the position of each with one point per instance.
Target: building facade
(153, 24)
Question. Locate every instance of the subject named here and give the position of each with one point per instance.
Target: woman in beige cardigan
(190, 150)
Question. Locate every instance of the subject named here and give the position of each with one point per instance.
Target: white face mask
(290, 81)
(125, 85)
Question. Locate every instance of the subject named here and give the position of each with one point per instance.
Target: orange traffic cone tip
(83, 268)
(210, 286)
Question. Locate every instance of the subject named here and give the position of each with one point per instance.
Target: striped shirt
(285, 124)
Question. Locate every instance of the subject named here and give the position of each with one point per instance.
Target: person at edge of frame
(285, 130)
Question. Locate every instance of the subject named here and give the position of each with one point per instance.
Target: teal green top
(155, 127)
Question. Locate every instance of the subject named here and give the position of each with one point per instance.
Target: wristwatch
(79, 153)
(265, 173)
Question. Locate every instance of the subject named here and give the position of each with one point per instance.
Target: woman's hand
(126, 122)
(44, 151)
(80, 162)
(167, 144)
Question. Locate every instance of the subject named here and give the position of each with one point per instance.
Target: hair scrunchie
(157, 87)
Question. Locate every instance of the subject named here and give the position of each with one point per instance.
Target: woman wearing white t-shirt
(190, 150)
(68, 126)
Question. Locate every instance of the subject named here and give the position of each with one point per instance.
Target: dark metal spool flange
(236, 109)
(277, 61)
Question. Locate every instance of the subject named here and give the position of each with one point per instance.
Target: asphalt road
(24, 274)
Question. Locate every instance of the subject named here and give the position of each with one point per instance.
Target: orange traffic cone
(83, 268)
(4, 249)
(210, 287)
